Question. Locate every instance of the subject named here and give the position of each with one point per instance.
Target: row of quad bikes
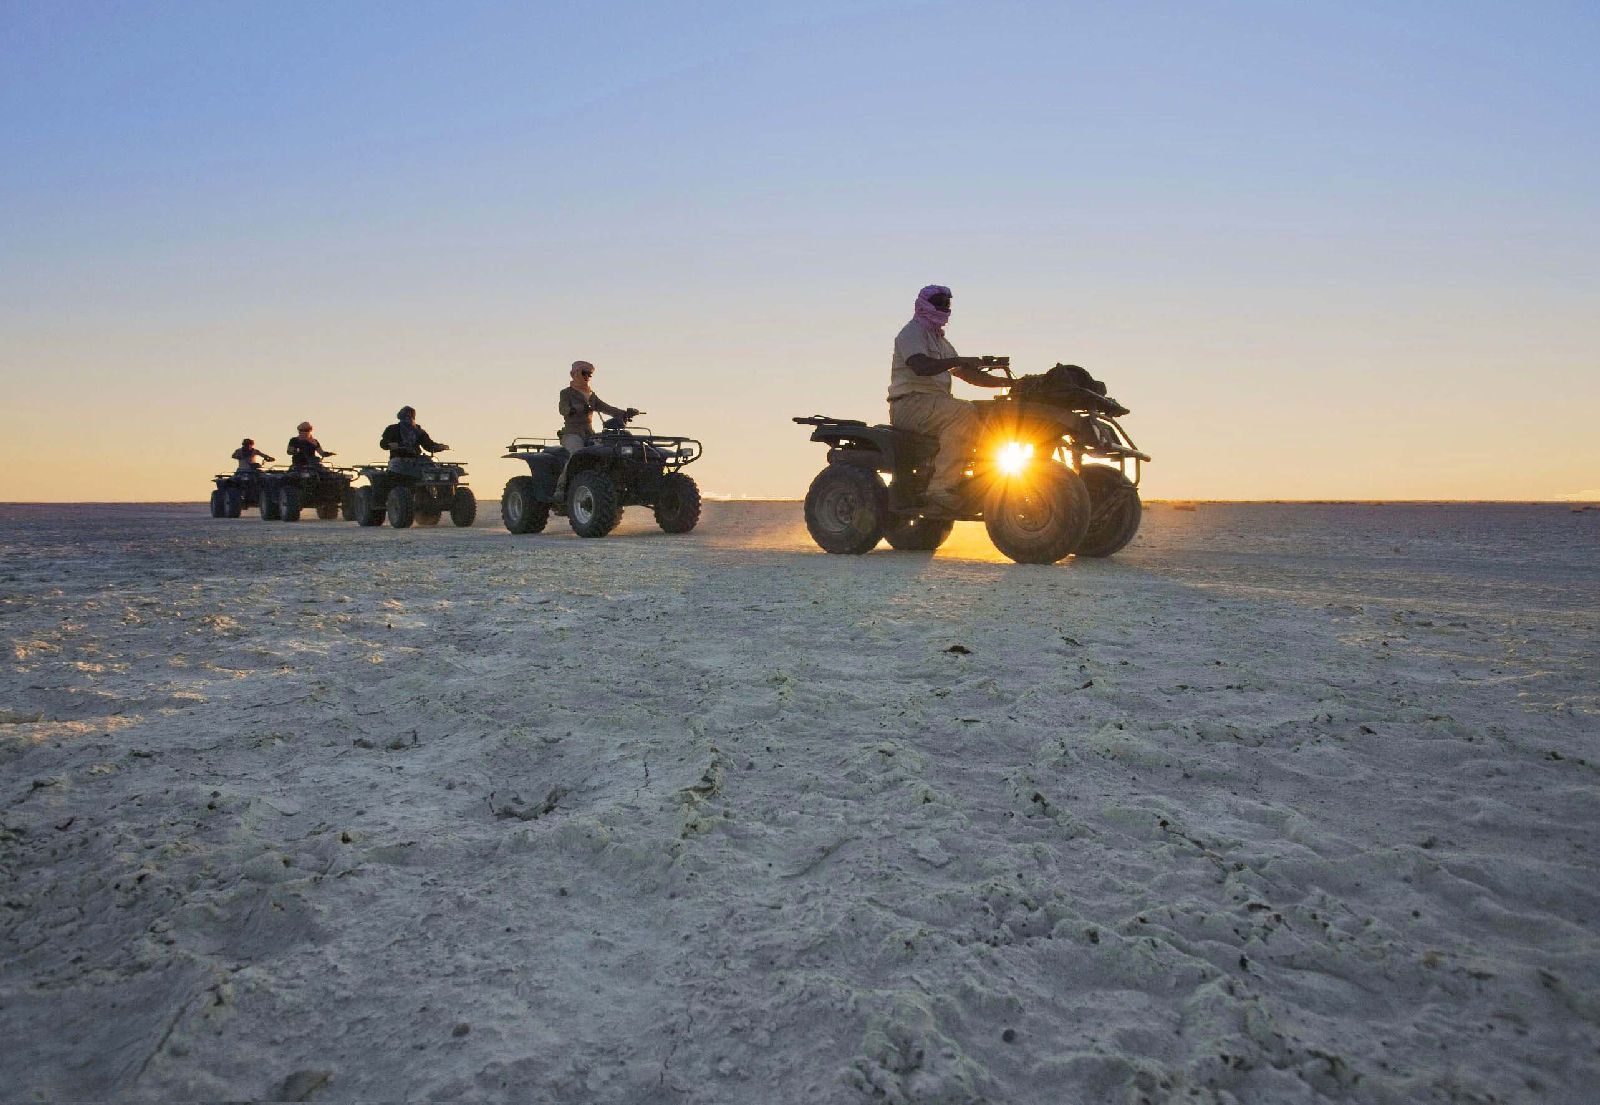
(619, 468)
(1052, 474)
(416, 491)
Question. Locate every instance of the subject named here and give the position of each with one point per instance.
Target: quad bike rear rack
(675, 451)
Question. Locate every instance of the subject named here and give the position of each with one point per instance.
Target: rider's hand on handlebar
(634, 412)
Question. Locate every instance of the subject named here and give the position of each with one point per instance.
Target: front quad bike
(1049, 476)
(411, 490)
(619, 468)
(235, 492)
(285, 492)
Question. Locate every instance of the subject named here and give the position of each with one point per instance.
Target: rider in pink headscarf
(933, 314)
(920, 399)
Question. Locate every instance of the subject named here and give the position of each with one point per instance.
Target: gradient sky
(1323, 250)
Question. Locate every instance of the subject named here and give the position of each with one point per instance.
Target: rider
(249, 457)
(306, 451)
(407, 439)
(920, 399)
(577, 405)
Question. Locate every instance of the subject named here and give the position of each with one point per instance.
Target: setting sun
(1014, 457)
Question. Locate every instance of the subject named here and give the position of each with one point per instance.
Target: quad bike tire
(847, 509)
(593, 506)
(464, 507)
(917, 534)
(268, 505)
(365, 510)
(234, 501)
(678, 503)
(289, 504)
(520, 511)
(401, 507)
(1116, 510)
(1041, 517)
(428, 517)
(219, 504)
(328, 511)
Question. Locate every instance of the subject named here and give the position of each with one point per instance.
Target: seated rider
(577, 405)
(249, 457)
(920, 399)
(406, 439)
(306, 451)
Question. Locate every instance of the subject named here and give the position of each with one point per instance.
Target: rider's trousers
(953, 421)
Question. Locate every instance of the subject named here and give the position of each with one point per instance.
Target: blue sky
(1324, 228)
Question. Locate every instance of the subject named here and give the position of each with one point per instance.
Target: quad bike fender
(1038, 422)
(545, 470)
(858, 458)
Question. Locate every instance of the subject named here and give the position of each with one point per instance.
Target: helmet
(406, 412)
(304, 427)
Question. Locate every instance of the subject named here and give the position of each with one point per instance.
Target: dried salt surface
(1284, 804)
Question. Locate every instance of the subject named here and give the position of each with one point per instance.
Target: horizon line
(200, 503)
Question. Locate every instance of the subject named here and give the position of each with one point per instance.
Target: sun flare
(1014, 457)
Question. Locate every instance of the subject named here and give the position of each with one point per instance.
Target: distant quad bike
(285, 492)
(619, 468)
(235, 492)
(411, 490)
(1049, 476)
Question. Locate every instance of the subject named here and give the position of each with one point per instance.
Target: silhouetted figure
(249, 457)
(406, 439)
(306, 451)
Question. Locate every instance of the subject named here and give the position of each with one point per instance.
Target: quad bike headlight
(1013, 457)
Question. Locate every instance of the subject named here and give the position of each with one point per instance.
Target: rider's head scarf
(926, 313)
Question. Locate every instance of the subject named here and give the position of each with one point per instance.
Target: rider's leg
(571, 443)
(955, 423)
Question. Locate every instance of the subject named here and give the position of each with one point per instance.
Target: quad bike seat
(854, 441)
(911, 445)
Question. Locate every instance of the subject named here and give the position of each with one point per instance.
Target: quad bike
(411, 490)
(235, 492)
(619, 467)
(285, 492)
(1049, 475)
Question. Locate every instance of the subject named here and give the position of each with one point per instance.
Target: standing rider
(920, 399)
(306, 451)
(249, 457)
(406, 439)
(577, 405)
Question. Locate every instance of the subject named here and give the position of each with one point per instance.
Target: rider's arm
(427, 442)
(924, 365)
(977, 377)
(603, 407)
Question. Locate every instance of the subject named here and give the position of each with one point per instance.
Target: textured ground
(1284, 804)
